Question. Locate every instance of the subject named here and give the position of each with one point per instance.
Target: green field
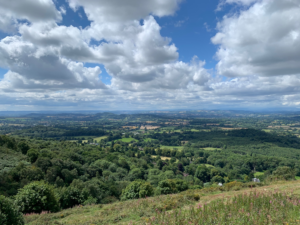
(100, 138)
(127, 140)
(212, 149)
(267, 131)
(194, 130)
(149, 139)
(258, 174)
(171, 147)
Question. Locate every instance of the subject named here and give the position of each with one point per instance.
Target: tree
(33, 154)
(203, 173)
(9, 212)
(31, 173)
(68, 175)
(23, 147)
(180, 167)
(135, 174)
(43, 163)
(36, 197)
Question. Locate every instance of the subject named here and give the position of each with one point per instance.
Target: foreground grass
(254, 208)
(142, 211)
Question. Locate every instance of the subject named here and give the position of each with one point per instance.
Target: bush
(137, 189)
(181, 185)
(166, 187)
(72, 196)
(218, 179)
(9, 213)
(233, 186)
(171, 186)
(283, 173)
(37, 197)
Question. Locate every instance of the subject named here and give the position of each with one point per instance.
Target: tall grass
(254, 208)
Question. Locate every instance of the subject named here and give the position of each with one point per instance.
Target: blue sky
(140, 54)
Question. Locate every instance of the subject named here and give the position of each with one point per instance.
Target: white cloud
(31, 10)
(262, 40)
(115, 11)
(31, 68)
(242, 2)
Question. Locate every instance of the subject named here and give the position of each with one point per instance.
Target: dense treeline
(85, 132)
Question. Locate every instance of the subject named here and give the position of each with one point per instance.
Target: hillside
(142, 211)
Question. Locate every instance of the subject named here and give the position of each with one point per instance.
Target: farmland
(95, 160)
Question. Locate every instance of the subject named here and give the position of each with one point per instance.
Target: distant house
(256, 180)
(94, 144)
(185, 174)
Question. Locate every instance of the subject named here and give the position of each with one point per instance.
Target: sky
(145, 55)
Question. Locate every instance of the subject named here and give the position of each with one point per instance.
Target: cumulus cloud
(31, 10)
(263, 40)
(32, 69)
(126, 10)
(173, 76)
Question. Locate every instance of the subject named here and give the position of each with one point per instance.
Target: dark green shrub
(167, 187)
(9, 212)
(283, 173)
(181, 185)
(218, 179)
(72, 196)
(171, 186)
(193, 196)
(37, 197)
(137, 189)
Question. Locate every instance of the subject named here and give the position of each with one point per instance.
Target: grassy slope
(138, 211)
